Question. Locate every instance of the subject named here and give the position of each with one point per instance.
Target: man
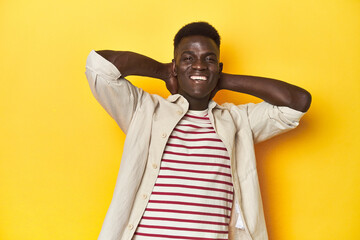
(188, 169)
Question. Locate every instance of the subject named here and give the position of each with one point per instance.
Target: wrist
(164, 71)
(223, 81)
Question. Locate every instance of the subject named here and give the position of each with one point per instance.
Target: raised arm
(270, 90)
(130, 63)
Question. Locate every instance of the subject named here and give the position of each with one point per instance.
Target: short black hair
(197, 28)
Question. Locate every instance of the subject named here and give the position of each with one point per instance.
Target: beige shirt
(148, 121)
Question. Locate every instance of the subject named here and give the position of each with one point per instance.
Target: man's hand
(219, 85)
(171, 80)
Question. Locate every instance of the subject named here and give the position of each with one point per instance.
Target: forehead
(198, 45)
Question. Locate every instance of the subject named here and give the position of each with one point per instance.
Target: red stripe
(192, 186)
(188, 212)
(194, 126)
(192, 116)
(196, 147)
(196, 163)
(184, 220)
(182, 229)
(191, 195)
(197, 155)
(176, 237)
(195, 171)
(197, 139)
(196, 179)
(190, 204)
(192, 132)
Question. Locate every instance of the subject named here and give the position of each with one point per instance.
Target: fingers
(172, 84)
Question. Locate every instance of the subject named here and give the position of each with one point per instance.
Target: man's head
(196, 62)
(197, 28)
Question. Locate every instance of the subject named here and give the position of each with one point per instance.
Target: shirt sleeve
(115, 94)
(267, 120)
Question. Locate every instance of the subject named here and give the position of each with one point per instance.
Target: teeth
(202, 78)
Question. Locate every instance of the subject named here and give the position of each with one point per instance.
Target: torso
(192, 196)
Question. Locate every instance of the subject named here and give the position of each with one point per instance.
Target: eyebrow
(192, 53)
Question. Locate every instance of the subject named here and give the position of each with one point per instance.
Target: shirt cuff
(101, 66)
(291, 114)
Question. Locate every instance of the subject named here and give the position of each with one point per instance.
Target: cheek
(182, 81)
(181, 76)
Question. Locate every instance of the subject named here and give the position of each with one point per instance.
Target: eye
(187, 58)
(211, 59)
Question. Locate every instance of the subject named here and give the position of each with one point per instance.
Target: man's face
(197, 68)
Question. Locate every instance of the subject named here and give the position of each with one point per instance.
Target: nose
(199, 65)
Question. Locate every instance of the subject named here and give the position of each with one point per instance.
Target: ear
(173, 68)
(220, 67)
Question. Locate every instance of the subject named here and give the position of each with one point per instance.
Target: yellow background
(60, 152)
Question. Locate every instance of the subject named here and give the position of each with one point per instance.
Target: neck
(193, 107)
(197, 104)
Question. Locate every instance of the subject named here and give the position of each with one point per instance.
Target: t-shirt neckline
(199, 112)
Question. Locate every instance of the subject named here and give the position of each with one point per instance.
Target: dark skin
(196, 74)
(197, 68)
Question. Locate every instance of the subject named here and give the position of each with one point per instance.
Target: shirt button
(163, 135)
(144, 196)
(179, 112)
(154, 166)
(130, 226)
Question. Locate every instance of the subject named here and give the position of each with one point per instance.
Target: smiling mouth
(200, 78)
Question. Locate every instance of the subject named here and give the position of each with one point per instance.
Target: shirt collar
(212, 104)
(173, 98)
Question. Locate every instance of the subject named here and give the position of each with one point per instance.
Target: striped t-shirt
(192, 196)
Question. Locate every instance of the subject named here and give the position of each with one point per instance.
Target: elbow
(119, 59)
(302, 101)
